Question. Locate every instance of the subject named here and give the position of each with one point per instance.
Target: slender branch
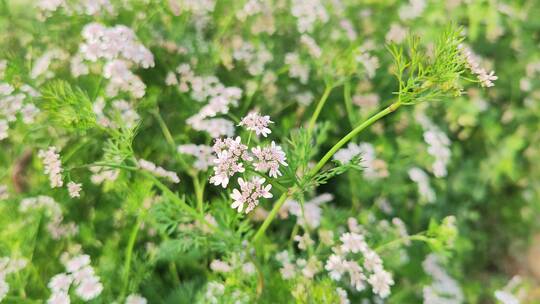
(320, 105)
(129, 254)
(270, 217)
(352, 134)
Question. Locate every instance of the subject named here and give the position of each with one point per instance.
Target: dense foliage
(269, 151)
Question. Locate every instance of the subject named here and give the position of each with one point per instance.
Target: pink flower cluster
(231, 155)
(249, 194)
(158, 171)
(486, 79)
(255, 122)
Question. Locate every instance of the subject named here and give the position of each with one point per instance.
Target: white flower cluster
(87, 7)
(214, 291)
(296, 68)
(486, 79)
(55, 226)
(412, 10)
(307, 13)
(120, 109)
(207, 88)
(80, 275)
(8, 266)
(290, 268)
(158, 171)
(119, 47)
(370, 63)
(443, 289)
(511, 293)
(203, 154)
(53, 166)
(254, 58)
(41, 65)
(373, 168)
(135, 299)
(420, 177)
(313, 48)
(439, 148)
(371, 270)
(309, 213)
(15, 103)
(74, 189)
(231, 155)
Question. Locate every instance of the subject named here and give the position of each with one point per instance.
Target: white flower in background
(506, 298)
(370, 63)
(296, 68)
(249, 194)
(257, 123)
(308, 13)
(304, 241)
(80, 275)
(396, 34)
(74, 189)
(420, 177)
(380, 282)
(158, 171)
(311, 212)
(4, 128)
(343, 299)
(269, 159)
(53, 166)
(9, 266)
(373, 168)
(4, 192)
(214, 291)
(439, 145)
(312, 46)
(412, 10)
(220, 266)
(443, 288)
(353, 242)
(202, 153)
(336, 267)
(41, 65)
(55, 227)
(135, 299)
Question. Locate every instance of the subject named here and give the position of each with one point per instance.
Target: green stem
(416, 237)
(352, 134)
(320, 105)
(348, 102)
(129, 254)
(198, 193)
(270, 217)
(164, 129)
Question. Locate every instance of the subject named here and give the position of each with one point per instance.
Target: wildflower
(296, 68)
(158, 171)
(89, 289)
(4, 192)
(335, 266)
(202, 153)
(506, 297)
(255, 122)
(372, 261)
(74, 189)
(220, 266)
(269, 158)
(4, 127)
(213, 291)
(308, 12)
(353, 242)
(59, 298)
(443, 287)
(135, 299)
(380, 282)
(421, 179)
(60, 283)
(288, 271)
(342, 296)
(53, 166)
(486, 79)
(304, 241)
(249, 194)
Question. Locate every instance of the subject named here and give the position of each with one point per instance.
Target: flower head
(269, 158)
(255, 122)
(249, 194)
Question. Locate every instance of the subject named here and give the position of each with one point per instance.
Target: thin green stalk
(198, 193)
(320, 105)
(348, 102)
(164, 129)
(352, 134)
(270, 217)
(129, 254)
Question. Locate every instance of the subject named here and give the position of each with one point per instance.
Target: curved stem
(270, 217)
(352, 134)
(129, 254)
(320, 105)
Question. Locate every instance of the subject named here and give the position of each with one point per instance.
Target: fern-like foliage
(70, 107)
